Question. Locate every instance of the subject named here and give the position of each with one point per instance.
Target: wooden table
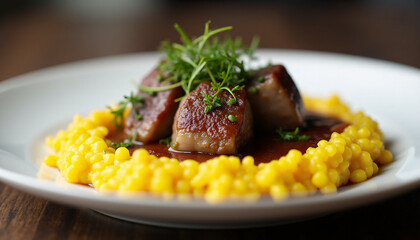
(46, 35)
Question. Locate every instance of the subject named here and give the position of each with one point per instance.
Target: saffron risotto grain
(85, 156)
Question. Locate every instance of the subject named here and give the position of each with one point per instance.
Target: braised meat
(157, 112)
(275, 99)
(212, 132)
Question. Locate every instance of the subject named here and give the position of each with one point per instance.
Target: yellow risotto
(85, 156)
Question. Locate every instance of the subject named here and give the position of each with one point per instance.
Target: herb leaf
(126, 144)
(232, 118)
(211, 104)
(118, 112)
(291, 136)
(122, 144)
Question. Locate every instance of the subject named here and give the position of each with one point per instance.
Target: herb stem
(210, 74)
(184, 36)
(203, 39)
(159, 89)
(201, 64)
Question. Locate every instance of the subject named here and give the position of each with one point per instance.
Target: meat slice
(275, 99)
(196, 131)
(157, 112)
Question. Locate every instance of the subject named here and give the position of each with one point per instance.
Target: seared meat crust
(196, 131)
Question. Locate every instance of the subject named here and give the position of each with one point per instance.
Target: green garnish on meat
(196, 60)
(118, 112)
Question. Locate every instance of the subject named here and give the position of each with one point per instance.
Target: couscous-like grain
(83, 155)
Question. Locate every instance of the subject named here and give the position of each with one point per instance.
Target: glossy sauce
(264, 147)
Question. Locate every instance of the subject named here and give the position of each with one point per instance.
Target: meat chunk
(275, 99)
(157, 112)
(196, 131)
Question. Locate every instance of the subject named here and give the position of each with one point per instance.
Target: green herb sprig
(122, 144)
(118, 112)
(126, 144)
(196, 60)
(216, 102)
(291, 136)
(211, 104)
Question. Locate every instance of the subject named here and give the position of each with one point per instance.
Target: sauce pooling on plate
(264, 147)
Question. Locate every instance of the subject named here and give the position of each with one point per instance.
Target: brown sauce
(264, 147)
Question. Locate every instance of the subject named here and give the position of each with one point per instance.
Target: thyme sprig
(118, 111)
(291, 136)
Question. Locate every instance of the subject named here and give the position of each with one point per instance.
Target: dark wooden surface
(37, 37)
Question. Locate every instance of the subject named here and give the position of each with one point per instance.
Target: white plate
(35, 105)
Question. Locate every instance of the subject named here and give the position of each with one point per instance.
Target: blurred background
(38, 33)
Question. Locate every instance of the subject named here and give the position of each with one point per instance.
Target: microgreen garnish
(118, 112)
(165, 141)
(291, 136)
(211, 104)
(122, 144)
(197, 60)
(232, 118)
(126, 144)
(254, 90)
(261, 79)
